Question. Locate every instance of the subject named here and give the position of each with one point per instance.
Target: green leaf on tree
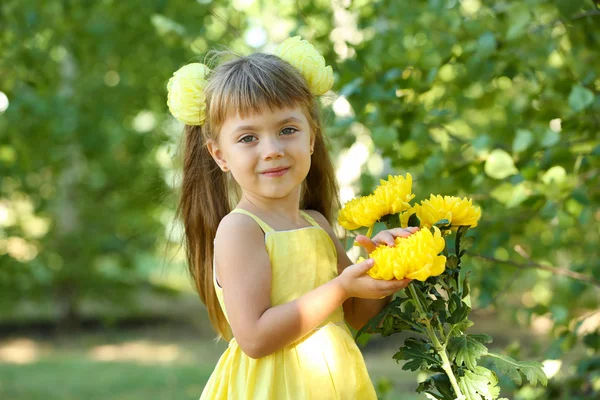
(468, 349)
(508, 366)
(580, 98)
(499, 165)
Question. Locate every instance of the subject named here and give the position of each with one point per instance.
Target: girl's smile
(275, 172)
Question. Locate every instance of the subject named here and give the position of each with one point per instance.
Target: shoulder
(237, 224)
(319, 218)
(237, 230)
(239, 250)
(322, 221)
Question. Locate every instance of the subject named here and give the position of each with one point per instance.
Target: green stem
(439, 348)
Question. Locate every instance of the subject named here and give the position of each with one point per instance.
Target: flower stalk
(439, 347)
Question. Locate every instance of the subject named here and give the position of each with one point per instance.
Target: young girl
(271, 270)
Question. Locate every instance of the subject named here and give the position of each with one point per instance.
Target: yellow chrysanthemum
(456, 210)
(363, 211)
(305, 58)
(396, 192)
(186, 98)
(413, 257)
(390, 197)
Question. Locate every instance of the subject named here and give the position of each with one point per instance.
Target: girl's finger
(386, 237)
(364, 266)
(365, 242)
(397, 284)
(403, 232)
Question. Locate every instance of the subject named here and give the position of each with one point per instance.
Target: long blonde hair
(244, 85)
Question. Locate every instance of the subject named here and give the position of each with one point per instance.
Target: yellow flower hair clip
(306, 59)
(186, 97)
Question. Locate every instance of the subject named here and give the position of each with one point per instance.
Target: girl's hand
(387, 236)
(356, 283)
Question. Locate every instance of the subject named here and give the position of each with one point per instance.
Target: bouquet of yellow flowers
(437, 303)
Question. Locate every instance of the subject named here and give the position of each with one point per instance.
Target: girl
(275, 279)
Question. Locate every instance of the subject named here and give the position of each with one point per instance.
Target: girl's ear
(217, 154)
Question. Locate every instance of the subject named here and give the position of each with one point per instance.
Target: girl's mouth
(275, 172)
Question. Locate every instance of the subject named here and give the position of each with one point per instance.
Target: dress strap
(310, 219)
(265, 227)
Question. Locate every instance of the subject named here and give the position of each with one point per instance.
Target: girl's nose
(273, 149)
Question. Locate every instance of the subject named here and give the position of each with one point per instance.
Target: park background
(495, 100)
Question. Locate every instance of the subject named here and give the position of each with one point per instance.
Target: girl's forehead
(263, 116)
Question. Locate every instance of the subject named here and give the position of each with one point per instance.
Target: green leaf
(508, 366)
(569, 7)
(499, 165)
(384, 136)
(458, 309)
(520, 15)
(466, 286)
(460, 232)
(523, 140)
(481, 383)
(452, 261)
(413, 220)
(486, 43)
(468, 349)
(555, 175)
(592, 341)
(580, 98)
(442, 223)
(391, 221)
(550, 138)
(511, 195)
(439, 307)
(439, 382)
(418, 354)
(461, 327)
(374, 324)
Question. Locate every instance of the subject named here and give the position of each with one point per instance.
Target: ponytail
(203, 203)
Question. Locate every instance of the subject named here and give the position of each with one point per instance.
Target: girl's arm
(243, 270)
(357, 311)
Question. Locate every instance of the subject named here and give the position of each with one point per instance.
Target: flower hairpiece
(186, 98)
(306, 59)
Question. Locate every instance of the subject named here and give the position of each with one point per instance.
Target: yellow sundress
(324, 364)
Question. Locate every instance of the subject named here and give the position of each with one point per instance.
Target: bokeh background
(495, 100)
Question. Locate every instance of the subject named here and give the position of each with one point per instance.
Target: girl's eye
(289, 130)
(243, 140)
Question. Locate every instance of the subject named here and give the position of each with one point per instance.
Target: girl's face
(268, 153)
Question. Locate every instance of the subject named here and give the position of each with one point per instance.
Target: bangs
(248, 85)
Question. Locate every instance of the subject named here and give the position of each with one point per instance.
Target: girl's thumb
(366, 265)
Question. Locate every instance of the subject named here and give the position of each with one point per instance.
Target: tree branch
(592, 13)
(555, 270)
(585, 14)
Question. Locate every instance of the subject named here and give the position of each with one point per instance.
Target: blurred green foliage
(495, 100)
